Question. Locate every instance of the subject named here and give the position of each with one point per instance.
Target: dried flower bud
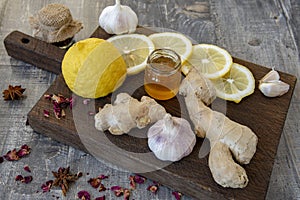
(102, 188)
(102, 177)
(153, 188)
(12, 155)
(19, 178)
(26, 168)
(126, 194)
(84, 195)
(94, 182)
(117, 190)
(27, 179)
(177, 195)
(47, 186)
(139, 179)
(46, 113)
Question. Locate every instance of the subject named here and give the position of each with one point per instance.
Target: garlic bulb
(118, 19)
(171, 138)
(271, 86)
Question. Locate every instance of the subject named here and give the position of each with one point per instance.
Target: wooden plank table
(264, 33)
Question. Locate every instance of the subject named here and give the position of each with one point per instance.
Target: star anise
(13, 92)
(63, 178)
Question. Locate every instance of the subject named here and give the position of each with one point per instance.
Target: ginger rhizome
(227, 138)
(127, 113)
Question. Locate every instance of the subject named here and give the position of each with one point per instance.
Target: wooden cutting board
(191, 175)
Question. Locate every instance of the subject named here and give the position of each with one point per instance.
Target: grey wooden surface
(266, 32)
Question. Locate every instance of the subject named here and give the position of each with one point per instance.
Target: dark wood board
(191, 175)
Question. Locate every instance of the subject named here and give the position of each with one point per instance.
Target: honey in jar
(162, 74)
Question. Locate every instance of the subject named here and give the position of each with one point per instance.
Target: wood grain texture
(263, 115)
(263, 32)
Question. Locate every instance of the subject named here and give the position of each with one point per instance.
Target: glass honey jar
(162, 74)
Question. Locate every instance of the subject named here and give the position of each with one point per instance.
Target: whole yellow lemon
(93, 68)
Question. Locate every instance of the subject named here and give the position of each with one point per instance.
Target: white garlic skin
(118, 19)
(274, 89)
(271, 85)
(171, 138)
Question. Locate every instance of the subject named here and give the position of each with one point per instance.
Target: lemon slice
(236, 84)
(135, 48)
(212, 61)
(174, 41)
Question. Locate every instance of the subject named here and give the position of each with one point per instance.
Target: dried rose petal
(91, 113)
(139, 179)
(117, 190)
(47, 186)
(26, 168)
(86, 101)
(25, 150)
(48, 96)
(71, 101)
(102, 177)
(12, 155)
(177, 195)
(1, 159)
(84, 195)
(126, 194)
(102, 188)
(94, 182)
(27, 179)
(46, 113)
(132, 182)
(100, 198)
(19, 178)
(153, 188)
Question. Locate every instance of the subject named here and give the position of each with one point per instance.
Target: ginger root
(225, 135)
(127, 113)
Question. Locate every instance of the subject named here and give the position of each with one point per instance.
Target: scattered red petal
(27, 179)
(25, 150)
(12, 155)
(19, 178)
(132, 182)
(139, 179)
(84, 195)
(100, 198)
(102, 188)
(1, 159)
(86, 101)
(46, 113)
(117, 190)
(26, 168)
(126, 194)
(94, 182)
(59, 104)
(102, 177)
(47, 186)
(153, 188)
(177, 195)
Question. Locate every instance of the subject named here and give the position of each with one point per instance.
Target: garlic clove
(274, 88)
(118, 19)
(171, 138)
(272, 75)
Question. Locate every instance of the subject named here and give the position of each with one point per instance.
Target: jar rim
(165, 53)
